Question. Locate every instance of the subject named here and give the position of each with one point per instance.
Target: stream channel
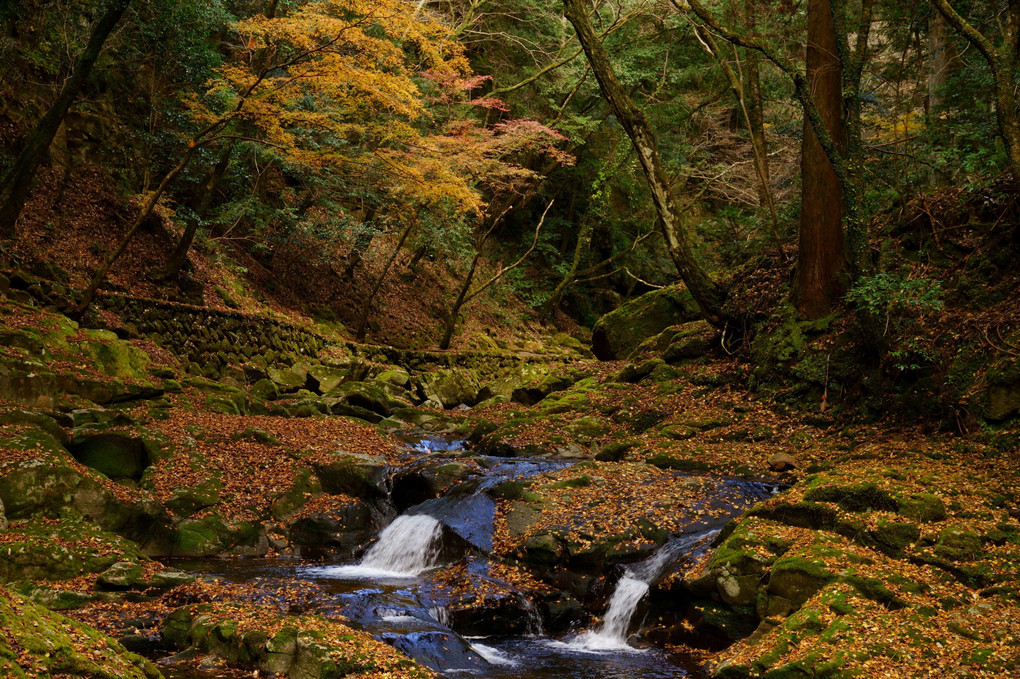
(390, 593)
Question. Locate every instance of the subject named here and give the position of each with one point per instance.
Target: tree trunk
(366, 310)
(583, 241)
(360, 247)
(755, 116)
(705, 291)
(147, 208)
(180, 254)
(822, 263)
(19, 180)
(451, 321)
(942, 58)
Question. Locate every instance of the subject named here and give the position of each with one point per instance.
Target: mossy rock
(620, 332)
(615, 451)
(265, 390)
(367, 395)
(860, 497)
(684, 464)
(324, 379)
(958, 544)
(113, 356)
(118, 455)
(54, 645)
(62, 550)
(211, 536)
(923, 507)
(451, 387)
(353, 474)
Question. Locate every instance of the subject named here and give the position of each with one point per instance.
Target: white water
(612, 636)
(406, 548)
(631, 588)
(492, 655)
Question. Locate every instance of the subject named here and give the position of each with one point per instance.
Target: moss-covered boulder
(44, 481)
(299, 646)
(35, 642)
(354, 474)
(61, 550)
(450, 387)
(621, 331)
(367, 395)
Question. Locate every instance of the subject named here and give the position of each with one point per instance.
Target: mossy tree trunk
(1003, 61)
(709, 295)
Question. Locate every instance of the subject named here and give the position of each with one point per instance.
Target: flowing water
(630, 591)
(389, 592)
(406, 548)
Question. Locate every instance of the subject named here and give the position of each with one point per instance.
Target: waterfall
(406, 548)
(631, 588)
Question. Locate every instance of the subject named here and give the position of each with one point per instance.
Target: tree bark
(19, 180)
(822, 264)
(706, 292)
(1003, 62)
(180, 254)
(942, 58)
(366, 309)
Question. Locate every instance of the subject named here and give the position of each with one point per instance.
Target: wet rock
(622, 330)
(340, 531)
(781, 462)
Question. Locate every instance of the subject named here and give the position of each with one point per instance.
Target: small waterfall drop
(406, 548)
(631, 588)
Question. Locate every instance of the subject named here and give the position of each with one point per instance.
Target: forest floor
(894, 550)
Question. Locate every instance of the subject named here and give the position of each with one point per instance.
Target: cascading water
(630, 590)
(406, 548)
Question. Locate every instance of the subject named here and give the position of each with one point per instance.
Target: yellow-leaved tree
(332, 87)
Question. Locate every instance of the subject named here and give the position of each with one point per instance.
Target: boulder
(59, 646)
(451, 387)
(781, 462)
(354, 474)
(368, 395)
(617, 334)
(324, 379)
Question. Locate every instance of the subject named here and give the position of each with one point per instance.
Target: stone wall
(212, 339)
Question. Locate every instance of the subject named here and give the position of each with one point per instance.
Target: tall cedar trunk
(822, 264)
(19, 181)
(706, 292)
(942, 58)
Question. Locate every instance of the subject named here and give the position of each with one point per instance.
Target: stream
(390, 591)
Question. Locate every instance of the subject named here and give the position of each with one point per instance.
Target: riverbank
(195, 519)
